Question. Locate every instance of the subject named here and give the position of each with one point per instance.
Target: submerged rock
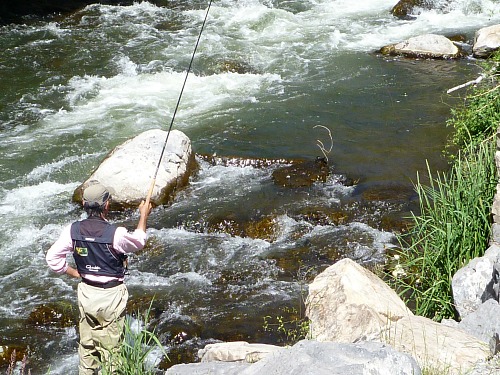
(54, 314)
(129, 169)
(302, 174)
(404, 9)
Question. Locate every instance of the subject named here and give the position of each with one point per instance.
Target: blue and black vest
(93, 248)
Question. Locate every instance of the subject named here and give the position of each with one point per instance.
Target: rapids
(74, 87)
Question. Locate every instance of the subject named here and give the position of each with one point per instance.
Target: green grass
(135, 350)
(452, 228)
(453, 224)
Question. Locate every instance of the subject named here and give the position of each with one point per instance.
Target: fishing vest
(93, 248)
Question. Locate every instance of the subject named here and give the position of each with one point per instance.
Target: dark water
(234, 247)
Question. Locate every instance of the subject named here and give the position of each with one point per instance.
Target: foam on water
(130, 104)
(33, 200)
(281, 42)
(263, 35)
(270, 35)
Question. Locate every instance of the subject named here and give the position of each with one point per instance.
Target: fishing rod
(153, 181)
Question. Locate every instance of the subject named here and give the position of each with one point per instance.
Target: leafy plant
(479, 115)
(290, 331)
(454, 222)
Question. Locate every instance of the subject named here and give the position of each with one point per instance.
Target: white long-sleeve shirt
(123, 242)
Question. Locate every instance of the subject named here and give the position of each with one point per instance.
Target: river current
(74, 87)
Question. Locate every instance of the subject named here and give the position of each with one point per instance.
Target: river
(76, 86)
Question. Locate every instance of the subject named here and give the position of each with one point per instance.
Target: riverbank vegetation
(453, 224)
(140, 350)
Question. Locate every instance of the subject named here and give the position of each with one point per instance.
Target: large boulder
(129, 169)
(486, 41)
(348, 303)
(424, 46)
(312, 357)
(435, 345)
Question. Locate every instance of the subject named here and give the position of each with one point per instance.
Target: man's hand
(144, 211)
(72, 272)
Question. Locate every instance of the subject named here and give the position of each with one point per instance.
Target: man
(99, 250)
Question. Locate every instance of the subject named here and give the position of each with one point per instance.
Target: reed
(136, 350)
(452, 228)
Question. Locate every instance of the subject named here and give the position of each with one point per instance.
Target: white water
(75, 89)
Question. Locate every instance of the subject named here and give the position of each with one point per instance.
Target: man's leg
(111, 316)
(89, 356)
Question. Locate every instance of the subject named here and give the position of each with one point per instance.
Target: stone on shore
(486, 41)
(475, 283)
(129, 169)
(236, 351)
(424, 46)
(436, 345)
(348, 303)
(314, 358)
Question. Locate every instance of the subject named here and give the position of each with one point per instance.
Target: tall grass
(136, 350)
(454, 222)
(452, 228)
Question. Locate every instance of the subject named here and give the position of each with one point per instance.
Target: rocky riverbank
(359, 324)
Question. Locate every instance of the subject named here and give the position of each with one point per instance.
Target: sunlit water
(74, 88)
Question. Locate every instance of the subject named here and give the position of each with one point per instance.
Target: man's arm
(144, 214)
(56, 255)
(126, 242)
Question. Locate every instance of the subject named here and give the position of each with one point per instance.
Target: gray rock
(474, 284)
(436, 345)
(348, 303)
(426, 46)
(486, 41)
(236, 351)
(129, 169)
(484, 322)
(329, 358)
(208, 368)
(315, 358)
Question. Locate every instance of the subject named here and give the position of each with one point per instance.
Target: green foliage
(453, 227)
(132, 359)
(290, 330)
(479, 115)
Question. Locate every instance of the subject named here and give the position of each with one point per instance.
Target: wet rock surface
(424, 46)
(302, 174)
(406, 9)
(54, 315)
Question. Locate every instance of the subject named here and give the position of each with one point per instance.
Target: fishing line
(150, 192)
